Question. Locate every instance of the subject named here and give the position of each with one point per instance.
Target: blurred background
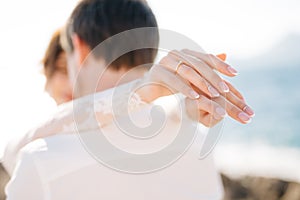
(261, 39)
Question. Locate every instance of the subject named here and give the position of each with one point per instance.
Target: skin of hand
(207, 94)
(194, 75)
(167, 82)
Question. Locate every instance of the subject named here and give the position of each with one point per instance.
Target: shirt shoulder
(43, 161)
(66, 150)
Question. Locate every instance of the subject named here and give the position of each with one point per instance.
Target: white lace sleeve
(79, 115)
(103, 107)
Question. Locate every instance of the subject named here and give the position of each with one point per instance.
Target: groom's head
(94, 21)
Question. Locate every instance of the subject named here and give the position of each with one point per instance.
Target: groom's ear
(81, 49)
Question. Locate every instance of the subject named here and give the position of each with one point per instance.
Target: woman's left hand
(193, 74)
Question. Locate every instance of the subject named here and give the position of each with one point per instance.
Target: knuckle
(173, 53)
(201, 82)
(241, 105)
(184, 88)
(184, 51)
(214, 123)
(216, 77)
(186, 70)
(211, 106)
(210, 56)
(235, 100)
(198, 62)
(209, 122)
(203, 102)
(206, 124)
(200, 101)
(232, 110)
(165, 60)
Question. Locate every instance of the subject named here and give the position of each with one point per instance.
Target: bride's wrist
(148, 89)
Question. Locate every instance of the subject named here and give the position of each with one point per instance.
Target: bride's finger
(233, 110)
(171, 80)
(213, 61)
(203, 69)
(230, 96)
(205, 107)
(189, 74)
(207, 119)
(231, 87)
(234, 103)
(234, 90)
(211, 107)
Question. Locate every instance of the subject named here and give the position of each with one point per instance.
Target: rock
(259, 188)
(244, 188)
(4, 177)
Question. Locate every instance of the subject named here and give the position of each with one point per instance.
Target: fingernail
(244, 117)
(220, 111)
(249, 111)
(232, 70)
(213, 91)
(222, 56)
(194, 94)
(223, 87)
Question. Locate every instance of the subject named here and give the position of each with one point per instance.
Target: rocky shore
(258, 188)
(245, 188)
(3, 180)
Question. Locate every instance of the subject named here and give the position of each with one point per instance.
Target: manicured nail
(194, 94)
(232, 70)
(213, 91)
(223, 87)
(222, 56)
(244, 117)
(220, 111)
(249, 111)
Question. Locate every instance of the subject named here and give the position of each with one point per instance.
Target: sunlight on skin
(239, 28)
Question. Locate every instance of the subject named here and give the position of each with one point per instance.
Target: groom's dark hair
(96, 20)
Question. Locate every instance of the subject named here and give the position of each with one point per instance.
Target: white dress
(69, 162)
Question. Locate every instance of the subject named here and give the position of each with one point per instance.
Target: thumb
(222, 56)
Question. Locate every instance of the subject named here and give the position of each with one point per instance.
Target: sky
(242, 29)
(239, 28)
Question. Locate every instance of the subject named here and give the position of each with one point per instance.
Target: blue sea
(274, 94)
(270, 145)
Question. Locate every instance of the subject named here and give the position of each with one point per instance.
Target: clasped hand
(194, 74)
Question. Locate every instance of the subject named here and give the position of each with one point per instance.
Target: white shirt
(61, 167)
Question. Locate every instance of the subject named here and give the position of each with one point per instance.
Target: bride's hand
(192, 74)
